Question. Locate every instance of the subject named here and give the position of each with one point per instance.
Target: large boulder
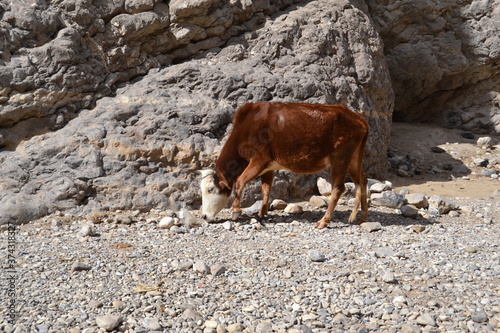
(137, 149)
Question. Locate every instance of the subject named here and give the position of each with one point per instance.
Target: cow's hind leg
(358, 176)
(251, 172)
(267, 182)
(338, 169)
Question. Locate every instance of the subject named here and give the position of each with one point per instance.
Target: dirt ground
(417, 140)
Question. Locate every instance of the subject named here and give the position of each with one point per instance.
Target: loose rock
(108, 322)
(371, 226)
(485, 142)
(293, 209)
(316, 256)
(389, 277)
(426, 319)
(471, 249)
(87, 230)
(152, 324)
(479, 316)
(318, 202)
(278, 204)
(80, 266)
(167, 222)
(409, 211)
(442, 204)
(235, 328)
(324, 186)
(418, 228)
(417, 199)
(201, 267)
(387, 199)
(217, 269)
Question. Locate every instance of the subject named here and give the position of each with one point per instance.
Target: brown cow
(299, 137)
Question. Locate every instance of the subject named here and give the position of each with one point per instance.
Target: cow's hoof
(359, 221)
(236, 215)
(321, 224)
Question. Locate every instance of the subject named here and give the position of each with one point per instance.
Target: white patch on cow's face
(212, 201)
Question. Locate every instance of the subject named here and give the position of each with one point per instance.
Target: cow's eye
(211, 190)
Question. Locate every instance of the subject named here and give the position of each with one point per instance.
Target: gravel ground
(121, 271)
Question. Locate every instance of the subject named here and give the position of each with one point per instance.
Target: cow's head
(214, 194)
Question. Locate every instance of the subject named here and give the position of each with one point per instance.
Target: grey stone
(108, 322)
(418, 228)
(293, 209)
(485, 142)
(191, 314)
(481, 162)
(443, 205)
(389, 277)
(438, 150)
(409, 328)
(151, 324)
(166, 223)
(237, 327)
(324, 186)
(21, 208)
(426, 319)
(488, 172)
(87, 230)
(80, 266)
(182, 266)
(316, 256)
(278, 204)
(417, 199)
(383, 252)
(380, 187)
(264, 327)
(318, 201)
(95, 304)
(409, 211)
(461, 169)
(201, 267)
(471, 249)
(371, 226)
(387, 199)
(479, 316)
(254, 209)
(217, 269)
(228, 225)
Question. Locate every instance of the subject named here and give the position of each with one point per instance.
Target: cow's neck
(230, 165)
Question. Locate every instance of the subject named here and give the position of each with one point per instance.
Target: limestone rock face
(113, 104)
(443, 58)
(59, 57)
(138, 148)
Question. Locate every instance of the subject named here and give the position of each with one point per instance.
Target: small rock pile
(381, 194)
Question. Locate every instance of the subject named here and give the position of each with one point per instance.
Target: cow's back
(297, 136)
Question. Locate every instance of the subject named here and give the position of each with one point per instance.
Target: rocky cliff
(112, 104)
(443, 57)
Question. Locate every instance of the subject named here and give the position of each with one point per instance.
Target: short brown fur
(300, 137)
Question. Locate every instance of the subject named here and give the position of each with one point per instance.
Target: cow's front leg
(267, 182)
(251, 172)
(337, 190)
